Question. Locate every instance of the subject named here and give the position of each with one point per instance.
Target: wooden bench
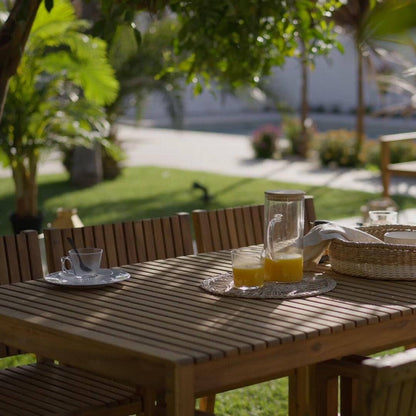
(400, 169)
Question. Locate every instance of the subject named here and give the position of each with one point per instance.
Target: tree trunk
(303, 148)
(360, 102)
(13, 38)
(26, 187)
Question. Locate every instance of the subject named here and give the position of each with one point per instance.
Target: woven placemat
(312, 284)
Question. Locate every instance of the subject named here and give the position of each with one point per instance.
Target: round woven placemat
(312, 284)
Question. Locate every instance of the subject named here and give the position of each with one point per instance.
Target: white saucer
(103, 278)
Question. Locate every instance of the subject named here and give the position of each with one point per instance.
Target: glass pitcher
(283, 235)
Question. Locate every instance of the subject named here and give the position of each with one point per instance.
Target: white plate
(103, 278)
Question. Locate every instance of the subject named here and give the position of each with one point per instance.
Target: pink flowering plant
(265, 140)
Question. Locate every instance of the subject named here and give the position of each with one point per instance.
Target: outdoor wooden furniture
(160, 330)
(228, 228)
(124, 243)
(47, 388)
(400, 169)
(375, 386)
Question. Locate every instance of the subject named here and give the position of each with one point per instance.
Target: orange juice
(284, 268)
(248, 276)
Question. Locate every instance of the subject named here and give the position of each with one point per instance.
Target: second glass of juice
(248, 268)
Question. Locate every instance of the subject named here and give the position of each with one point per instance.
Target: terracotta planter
(26, 223)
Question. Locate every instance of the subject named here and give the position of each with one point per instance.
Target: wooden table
(160, 330)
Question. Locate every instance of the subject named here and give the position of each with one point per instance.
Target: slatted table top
(159, 326)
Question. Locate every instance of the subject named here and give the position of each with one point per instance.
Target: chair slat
(141, 246)
(201, 227)
(186, 233)
(168, 238)
(223, 231)
(232, 228)
(151, 246)
(120, 244)
(215, 230)
(132, 256)
(4, 267)
(34, 254)
(12, 258)
(248, 225)
(175, 226)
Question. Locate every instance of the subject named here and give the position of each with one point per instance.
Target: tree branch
(13, 38)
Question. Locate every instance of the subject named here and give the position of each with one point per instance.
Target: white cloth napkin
(316, 242)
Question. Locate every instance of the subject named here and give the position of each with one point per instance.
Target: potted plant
(265, 140)
(54, 101)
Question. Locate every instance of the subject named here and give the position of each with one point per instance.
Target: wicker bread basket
(374, 260)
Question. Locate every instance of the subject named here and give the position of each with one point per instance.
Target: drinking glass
(248, 268)
(381, 217)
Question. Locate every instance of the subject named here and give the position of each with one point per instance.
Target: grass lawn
(145, 192)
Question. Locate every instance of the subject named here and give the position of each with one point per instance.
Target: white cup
(400, 237)
(382, 217)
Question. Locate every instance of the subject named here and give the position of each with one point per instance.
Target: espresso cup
(84, 262)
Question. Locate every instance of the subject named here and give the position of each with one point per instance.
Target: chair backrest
(20, 260)
(124, 243)
(387, 385)
(368, 386)
(229, 228)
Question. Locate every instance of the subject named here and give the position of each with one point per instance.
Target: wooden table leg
(180, 398)
(312, 393)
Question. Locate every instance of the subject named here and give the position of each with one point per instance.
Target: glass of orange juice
(248, 268)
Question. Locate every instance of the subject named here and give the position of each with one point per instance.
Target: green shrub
(338, 147)
(292, 130)
(399, 152)
(264, 141)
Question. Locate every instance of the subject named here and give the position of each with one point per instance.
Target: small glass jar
(283, 235)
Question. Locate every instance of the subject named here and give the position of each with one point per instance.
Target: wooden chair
(229, 228)
(400, 169)
(47, 388)
(124, 243)
(374, 386)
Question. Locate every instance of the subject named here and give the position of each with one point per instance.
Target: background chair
(124, 243)
(228, 228)
(48, 388)
(388, 167)
(369, 386)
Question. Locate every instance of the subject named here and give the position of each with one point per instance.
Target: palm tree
(352, 17)
(55, 100)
